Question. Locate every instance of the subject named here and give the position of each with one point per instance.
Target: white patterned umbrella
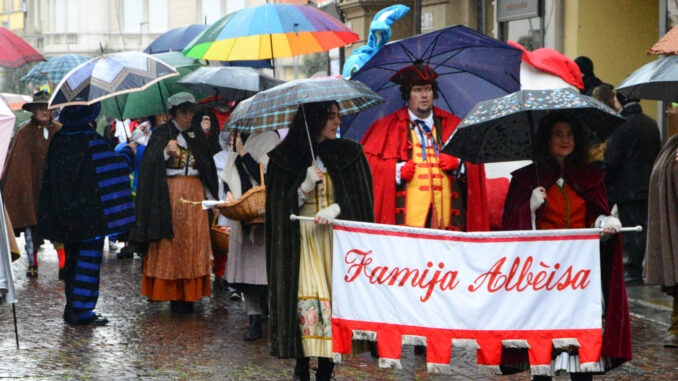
(107, 76)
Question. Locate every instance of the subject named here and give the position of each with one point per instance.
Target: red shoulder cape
(385, 143)
(588, 183)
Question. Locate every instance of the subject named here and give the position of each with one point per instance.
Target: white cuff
(329, 213)
(397, 171)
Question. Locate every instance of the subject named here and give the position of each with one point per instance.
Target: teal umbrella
(54, 69)
(152, 101)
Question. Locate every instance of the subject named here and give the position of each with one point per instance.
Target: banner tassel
(566, 343)
(389, 363)
(364, 335)
(465, 343)
(414, 340)
(590, 367)
(515, 344)
(541, 370)
(438, 368)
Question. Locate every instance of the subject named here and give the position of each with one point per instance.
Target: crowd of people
(66, 183)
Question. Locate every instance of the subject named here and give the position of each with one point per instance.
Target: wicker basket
(251, 207)
(219, 237)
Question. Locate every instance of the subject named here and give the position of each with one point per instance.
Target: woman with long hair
(570, 194)
(338, 184)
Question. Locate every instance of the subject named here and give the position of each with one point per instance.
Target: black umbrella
(656, 80)
(503, 129)
(229, 82)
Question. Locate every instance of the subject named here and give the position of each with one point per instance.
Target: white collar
(428, 120)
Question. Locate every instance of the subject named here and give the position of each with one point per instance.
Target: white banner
(525, 289)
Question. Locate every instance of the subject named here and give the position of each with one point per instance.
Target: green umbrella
(152, 101)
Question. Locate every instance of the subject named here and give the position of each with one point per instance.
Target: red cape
(385, 144)
(588, 183)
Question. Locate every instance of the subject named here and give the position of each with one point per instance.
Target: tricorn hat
(417, 74)
(39, 98)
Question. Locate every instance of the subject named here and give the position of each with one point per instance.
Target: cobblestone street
(144, 340)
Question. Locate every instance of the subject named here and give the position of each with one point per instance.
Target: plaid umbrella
(503, 129)
(276, 107)
(107, 76)
(54, 69)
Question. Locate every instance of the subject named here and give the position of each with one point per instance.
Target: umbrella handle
(308, 134)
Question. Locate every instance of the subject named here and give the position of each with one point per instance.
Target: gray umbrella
(230, 83)
(656, 80)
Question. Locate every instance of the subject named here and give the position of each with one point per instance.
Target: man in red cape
(414, 183)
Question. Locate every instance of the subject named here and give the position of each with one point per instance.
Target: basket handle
(214, 220)
(261, 173)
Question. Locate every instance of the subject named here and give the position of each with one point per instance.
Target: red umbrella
(14, 51)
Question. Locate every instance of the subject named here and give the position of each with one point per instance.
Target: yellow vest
(429, 187)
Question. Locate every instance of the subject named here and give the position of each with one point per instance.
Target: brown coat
(661, 258)
(22, 175)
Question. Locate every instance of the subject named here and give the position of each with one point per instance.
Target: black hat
(585, 65)
(624, 100)
(79, 115)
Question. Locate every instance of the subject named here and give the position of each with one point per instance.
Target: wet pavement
(145, 341)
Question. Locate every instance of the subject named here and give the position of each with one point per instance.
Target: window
(211, 10)
(59, 18)
(133, 15)
(71, 15)
(157, 16)
(234, 5)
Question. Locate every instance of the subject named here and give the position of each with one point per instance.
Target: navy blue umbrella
(175, 39)
(472, 68)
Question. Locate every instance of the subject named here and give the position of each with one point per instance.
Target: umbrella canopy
(6, 130)
(230, 83)
(471, 66)
(15, 101)
(107, 76)
(275, 108)
(174, 40)
(15, 51)
(152, 100)
(270, 31)
(503, 129)
(667, 45)
(656, 80)
(54, 69)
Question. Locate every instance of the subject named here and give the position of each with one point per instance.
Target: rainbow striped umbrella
(270, 31)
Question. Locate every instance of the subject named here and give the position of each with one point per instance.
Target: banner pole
(628, 229)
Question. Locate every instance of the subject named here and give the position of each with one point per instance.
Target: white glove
(310, 180)
(537, 199)
(329, 213)
(609, 223)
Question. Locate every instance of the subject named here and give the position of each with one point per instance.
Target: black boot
(325, 369)
(32, 272)
(254, 332)
(301, 372)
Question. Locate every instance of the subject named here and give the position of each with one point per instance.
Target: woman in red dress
(570, 194)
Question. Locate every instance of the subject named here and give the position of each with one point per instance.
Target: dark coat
(588, 183)
(152, 206)
(352, 180)
(629, 156)
(85, 189)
